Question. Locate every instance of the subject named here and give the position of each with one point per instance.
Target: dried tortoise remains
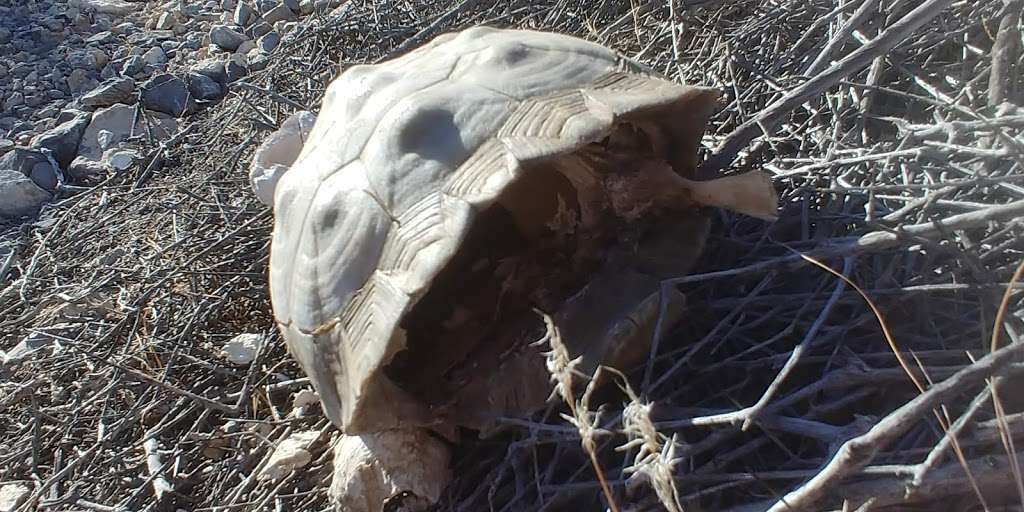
(442, 198)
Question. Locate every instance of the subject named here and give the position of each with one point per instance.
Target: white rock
(36, 341)
(277, 153)
(19, 195)
(11, 496)
(105, 139)
(117, 120)
(302, 400)
(242, 349)
(361, 479)
(304, 397)
(290, 455)
(166, 21)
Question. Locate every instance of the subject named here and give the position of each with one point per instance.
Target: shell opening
(560, 226)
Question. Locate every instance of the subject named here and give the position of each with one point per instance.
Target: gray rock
(258, 29)
(268, 42)
(34, 100)
(133, 66)
(257, 60)
(236, 68)
(265, 6)
(203, 87)
(22, 160)
(83, 168)
(280, 13)
(243, 14)
(284, 27)
(121, 122)
(120, 160)
(19, 196)
(168, 94)
(114, 90)
(5, 146)
(112, 7)
(32, 164)
(80, 81)
(305, 7)
(62, 141)
(14, 100)
(155, 56)
(166, 21)
(293, 5)
(67, 115)
(245, 47)
(227, 5)
(82, 60)
(151, 37)
(213, 68)
(226, 38)
(105, 37)
(44, 176)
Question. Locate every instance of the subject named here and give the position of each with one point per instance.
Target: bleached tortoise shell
(402, 158)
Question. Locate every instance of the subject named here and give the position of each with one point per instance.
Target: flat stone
(120, 160)
(290, 455)
(19, 195)
(168, 94)
(63, 140)
(242, 349)
(226, 38)
(280, 13)
(292, 4)
(118, 120)
(111, 91)
(258, 29)
(112, 7)
(204, 88)
(105, 37)
(5, 146)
